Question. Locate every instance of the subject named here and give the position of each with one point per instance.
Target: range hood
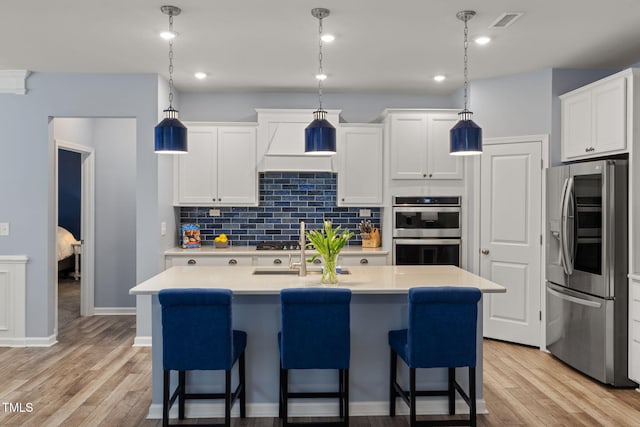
(281, 141)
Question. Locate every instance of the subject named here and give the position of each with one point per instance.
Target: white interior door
(511, 207)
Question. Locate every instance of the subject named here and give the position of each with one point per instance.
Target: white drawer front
(275, 261)
(209, 260)
(362, 260)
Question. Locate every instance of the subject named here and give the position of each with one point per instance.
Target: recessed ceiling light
(321, 76)
(328, 38)
(482, 40)
(168, 35)
(200, 75)
(439, 78)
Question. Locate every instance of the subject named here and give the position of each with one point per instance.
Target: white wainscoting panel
(13, 300)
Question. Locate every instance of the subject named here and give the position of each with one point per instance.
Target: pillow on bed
(65, 239)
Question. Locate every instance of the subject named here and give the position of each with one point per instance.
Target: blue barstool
(197, 335)
(441, 334)
(315, 334)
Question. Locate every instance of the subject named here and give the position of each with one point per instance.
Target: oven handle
(426, 241)
(426, 209)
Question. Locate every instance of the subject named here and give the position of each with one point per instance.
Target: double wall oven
(426, 230)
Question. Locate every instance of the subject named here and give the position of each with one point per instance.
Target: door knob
(485, 251)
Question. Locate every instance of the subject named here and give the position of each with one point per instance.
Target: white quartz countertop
(251, 250)
(388, 279)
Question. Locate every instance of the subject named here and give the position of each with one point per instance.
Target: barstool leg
(452, 391)
(285, 397)
(341, 392)
(412, 397)
(243, 394)
(227, 398)
(472, 395)
(346, 397)
(392, 384)
(165, 398)
(181, 398)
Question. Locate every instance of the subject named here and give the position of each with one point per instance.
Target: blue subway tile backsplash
(285, 199)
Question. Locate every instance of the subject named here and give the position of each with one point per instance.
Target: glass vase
(329, 274)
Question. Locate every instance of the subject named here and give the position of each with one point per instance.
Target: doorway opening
(75, 173)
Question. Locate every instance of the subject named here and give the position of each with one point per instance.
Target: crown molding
(14, 81)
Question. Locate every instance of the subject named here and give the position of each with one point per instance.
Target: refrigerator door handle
(576, 300)
(567, 261)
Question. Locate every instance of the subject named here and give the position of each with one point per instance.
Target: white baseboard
(114, 311)
(207, 409)
(142, 342)
(29, 341)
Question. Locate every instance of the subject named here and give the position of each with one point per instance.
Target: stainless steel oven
(426, 230)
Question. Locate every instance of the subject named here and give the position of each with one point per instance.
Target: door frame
(87, 224)
(544, 141)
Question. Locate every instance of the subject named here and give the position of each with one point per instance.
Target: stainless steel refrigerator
(586, 268)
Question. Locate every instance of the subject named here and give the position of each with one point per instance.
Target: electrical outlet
(214, 212)
(365, 213)
(4, 228)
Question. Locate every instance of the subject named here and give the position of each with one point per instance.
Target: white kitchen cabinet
(362, 259)
(217, 260)
(419, 144)
(597, 118)
(634, 329)
(360, 153)
(220, 167)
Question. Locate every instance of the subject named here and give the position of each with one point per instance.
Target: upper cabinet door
(441, 164)
(576, 125)
(408, 135)
(236, 170)
(360, 165)
(609, 109)
(195, 180)
(596, 118)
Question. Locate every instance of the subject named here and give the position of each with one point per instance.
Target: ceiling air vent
(506, 19)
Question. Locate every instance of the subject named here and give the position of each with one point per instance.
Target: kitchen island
(379, 304)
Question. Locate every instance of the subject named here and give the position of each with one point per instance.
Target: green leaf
(328, 241)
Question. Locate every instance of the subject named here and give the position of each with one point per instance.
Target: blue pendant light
(170, 133)
(320, 135)
(466, 136)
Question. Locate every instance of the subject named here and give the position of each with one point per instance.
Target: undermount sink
(292, 272)
(287, 271)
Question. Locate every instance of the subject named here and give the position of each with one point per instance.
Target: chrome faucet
(302, 265)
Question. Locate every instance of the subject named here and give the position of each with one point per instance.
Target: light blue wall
(513, 105)
(356, 107)
(115, 217)
(26, 169)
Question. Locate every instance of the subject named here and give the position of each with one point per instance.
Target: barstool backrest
(196, 329)
(442, 326)
(315, 328)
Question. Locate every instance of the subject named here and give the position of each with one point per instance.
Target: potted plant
(328, 242)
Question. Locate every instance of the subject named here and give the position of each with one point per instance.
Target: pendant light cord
(320, 69)
(466, 58)
(171, 63)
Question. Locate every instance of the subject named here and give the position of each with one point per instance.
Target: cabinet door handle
(192, 262)
(317, 261)
(233, 261)
(424, 175)
(364, 261)
(485, 251)
(277, 261)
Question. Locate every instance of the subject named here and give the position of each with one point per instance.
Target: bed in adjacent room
(68, 251)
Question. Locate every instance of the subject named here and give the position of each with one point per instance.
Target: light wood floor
(94, 377)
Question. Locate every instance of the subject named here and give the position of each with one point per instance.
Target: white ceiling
(381, 46)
